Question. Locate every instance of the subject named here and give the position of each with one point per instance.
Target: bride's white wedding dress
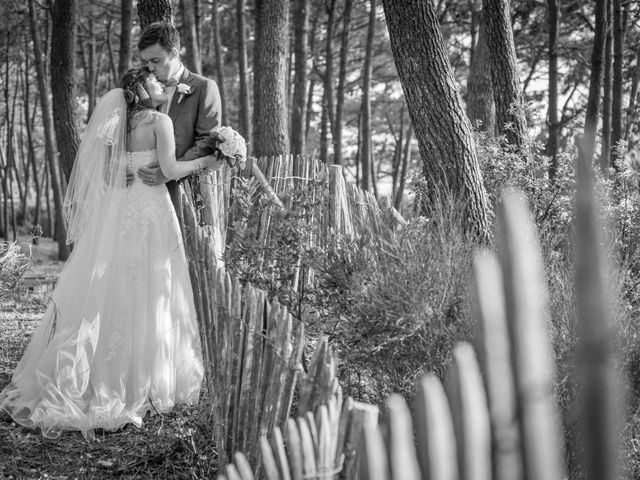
(120, 336)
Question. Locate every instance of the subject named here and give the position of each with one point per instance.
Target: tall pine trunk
(126, 12)
(587, 145)
(617, 88)
(63, 47)
(49, 143)
(605, 151)
(342, 77)
(270, 133)
(243, 73)
(217, 52)
(443, 131)
(554, 126)
(298, 107)
(327, 98)
(150, 11)
(480, 104)
(504, 73)
(366, 150)
(192, 58)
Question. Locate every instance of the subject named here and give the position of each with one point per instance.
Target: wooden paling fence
(252, 349)
(321, 443)
(347, 210)
(496, 418)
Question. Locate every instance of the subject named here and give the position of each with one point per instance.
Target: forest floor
(171, 446)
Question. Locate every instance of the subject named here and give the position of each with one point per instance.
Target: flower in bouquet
(231, 145)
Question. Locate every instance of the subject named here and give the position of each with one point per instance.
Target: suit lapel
(188, 79)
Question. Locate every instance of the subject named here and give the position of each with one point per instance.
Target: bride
(119, 338)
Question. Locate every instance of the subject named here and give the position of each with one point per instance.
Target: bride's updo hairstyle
(135, 93)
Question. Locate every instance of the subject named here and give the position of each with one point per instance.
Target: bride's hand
(152, 175)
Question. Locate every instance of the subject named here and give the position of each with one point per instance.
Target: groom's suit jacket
(193, 118)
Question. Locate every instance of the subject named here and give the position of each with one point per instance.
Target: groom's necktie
(170, 88)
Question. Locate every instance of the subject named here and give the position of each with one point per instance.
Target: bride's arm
(166, 148)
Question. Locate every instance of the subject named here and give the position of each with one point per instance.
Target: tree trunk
(192, 58)
(126, 12)
(633, 97)
(617, 87)
(298, 110)
(605, 151)
(480, 104)
(504, 73)
(587, 145)
(217, 52)
(150, 11)
(271, 136)
(327, 96)
(406, 158)
(49, 144)
(342, 77)
(31, 155)
(89, 68)
(243, 73)
(63, 45)
(312, 78)
(366, 100)
(554, 126)
(435, 107)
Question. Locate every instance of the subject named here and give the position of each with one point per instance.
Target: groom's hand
(152, 175)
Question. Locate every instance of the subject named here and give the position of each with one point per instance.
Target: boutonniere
(183, 90)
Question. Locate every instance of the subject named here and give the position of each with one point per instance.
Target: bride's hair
(135, 92)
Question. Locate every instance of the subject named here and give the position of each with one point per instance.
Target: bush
(13, 264)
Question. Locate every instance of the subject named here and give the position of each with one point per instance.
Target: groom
(194, 101)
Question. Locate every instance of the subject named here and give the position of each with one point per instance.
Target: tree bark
(217, 51)
(298, 110)
(63, 47)
(150, 11)
(605, 151)
(49, 144)
(441, 127)
(587, 145)
(480, 104)
(192, 58)
(271, 136)
(617, 87)
(342, 77)
(245, 114)
(126, 13)
(365, 151)
(328, 80)
(554, 126)
(633, 97)
(504, 74)
(406, 158)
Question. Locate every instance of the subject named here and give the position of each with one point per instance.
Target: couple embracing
(119, 338)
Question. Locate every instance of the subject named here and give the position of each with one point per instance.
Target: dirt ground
(173, 446)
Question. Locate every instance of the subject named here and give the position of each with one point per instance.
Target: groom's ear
(174, 53)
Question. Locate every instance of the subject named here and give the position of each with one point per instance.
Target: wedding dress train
(120, 337)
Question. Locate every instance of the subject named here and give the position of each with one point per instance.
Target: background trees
(339, 94)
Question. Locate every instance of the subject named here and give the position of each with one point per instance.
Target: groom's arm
(208, 117)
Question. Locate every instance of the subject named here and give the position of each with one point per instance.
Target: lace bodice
(140, 158)
(144, 204)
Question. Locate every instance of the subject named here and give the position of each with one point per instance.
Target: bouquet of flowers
(231, 145)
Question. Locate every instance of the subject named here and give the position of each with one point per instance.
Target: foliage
(271, 247)
(13, 265)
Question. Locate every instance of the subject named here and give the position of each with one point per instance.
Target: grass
(171, 446)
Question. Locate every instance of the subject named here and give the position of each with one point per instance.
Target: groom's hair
(161, 33)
